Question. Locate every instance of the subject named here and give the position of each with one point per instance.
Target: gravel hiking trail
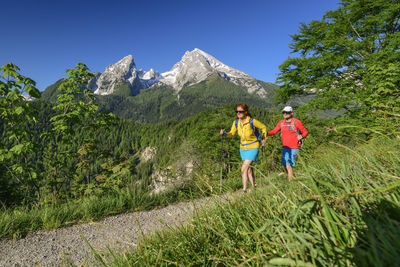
(58, 247)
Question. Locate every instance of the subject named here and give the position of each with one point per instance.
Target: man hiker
(293, 134)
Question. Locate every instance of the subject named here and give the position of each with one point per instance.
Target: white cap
(288, 109)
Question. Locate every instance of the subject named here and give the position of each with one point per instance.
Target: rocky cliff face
(120, 73)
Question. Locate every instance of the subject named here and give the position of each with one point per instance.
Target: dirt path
(53, 247)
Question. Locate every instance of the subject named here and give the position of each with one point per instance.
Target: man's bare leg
(290, 172)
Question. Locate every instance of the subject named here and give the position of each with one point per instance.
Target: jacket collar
(246, 121)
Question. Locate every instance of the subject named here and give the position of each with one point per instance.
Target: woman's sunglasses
(240, 111)
(285, 112)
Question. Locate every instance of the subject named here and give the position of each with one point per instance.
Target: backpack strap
(254, 131)
(252, 125)
(249, 143)
(281, 124)
(294, 126)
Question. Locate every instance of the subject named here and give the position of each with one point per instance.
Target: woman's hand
(263, 142)
(222, 131)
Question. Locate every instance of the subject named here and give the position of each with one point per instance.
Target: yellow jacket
(246, 134)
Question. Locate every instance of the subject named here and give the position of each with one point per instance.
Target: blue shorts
(249, 154)
(289, 156)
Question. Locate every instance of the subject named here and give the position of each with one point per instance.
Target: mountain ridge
(161, 102)
(194, 66)
(197, 82)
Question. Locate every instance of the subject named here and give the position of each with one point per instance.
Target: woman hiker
(293, 134)
(247, 128)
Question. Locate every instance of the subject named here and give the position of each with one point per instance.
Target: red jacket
(289, 131)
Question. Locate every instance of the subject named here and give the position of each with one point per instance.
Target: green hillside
(119, 169)
(50, 93)
(161, 103)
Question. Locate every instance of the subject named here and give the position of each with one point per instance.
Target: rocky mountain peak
(123, 66)
(149, 75)
(196, 65)
(120, 73)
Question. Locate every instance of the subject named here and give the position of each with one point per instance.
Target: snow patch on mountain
(195, 66)
(28, 97)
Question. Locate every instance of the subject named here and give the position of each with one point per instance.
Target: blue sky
(44, 38)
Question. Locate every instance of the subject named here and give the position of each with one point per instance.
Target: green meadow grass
(22, 220)
(343, 209)
(17, 222)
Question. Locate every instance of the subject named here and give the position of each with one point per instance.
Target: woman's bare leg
(245, 170)
(250, 174)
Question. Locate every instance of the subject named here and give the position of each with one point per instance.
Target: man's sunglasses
(285, 112)
(240, 111)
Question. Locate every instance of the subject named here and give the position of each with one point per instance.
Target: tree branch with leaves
(349, 59)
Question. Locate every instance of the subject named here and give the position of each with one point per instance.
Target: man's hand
(299, 137)
(263, 142)
(222, 131)
(301, 141)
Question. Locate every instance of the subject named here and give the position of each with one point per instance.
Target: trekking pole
(264, 160)
(222, 160)
(302, 143)
(261, 164)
